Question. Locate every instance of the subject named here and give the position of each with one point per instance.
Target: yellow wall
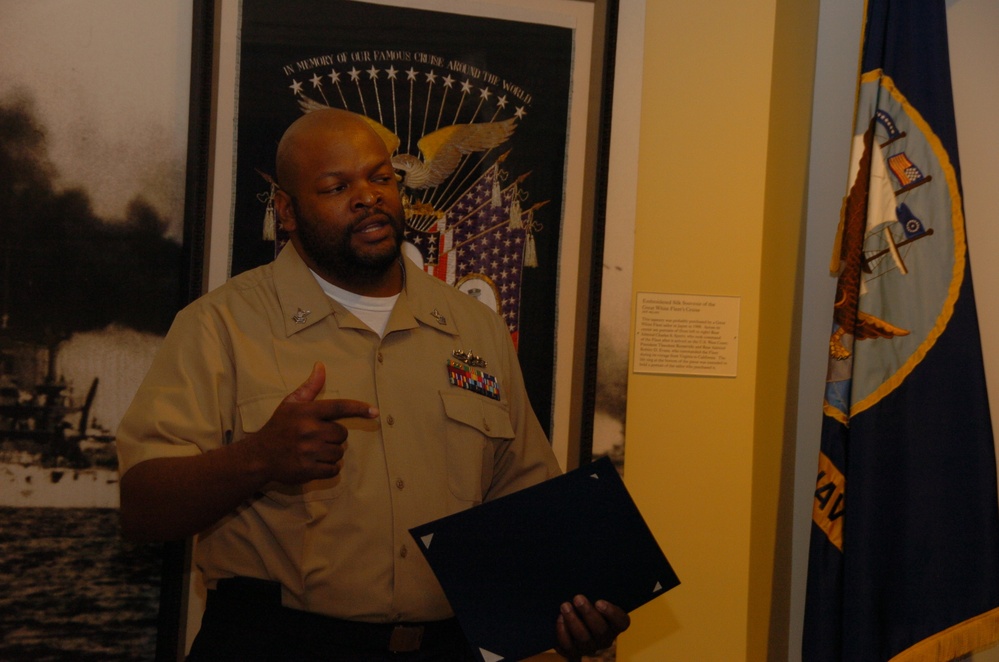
(723, 162)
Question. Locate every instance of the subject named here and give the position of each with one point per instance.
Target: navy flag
(904, 556)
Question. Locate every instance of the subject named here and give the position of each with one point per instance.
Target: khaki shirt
(341, 546)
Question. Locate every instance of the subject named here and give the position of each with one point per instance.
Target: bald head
(311, 131)
(338, 199)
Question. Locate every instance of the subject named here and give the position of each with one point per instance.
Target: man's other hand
(584, 628)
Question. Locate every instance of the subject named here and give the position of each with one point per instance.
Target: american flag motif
(905, 170)
(486, 235)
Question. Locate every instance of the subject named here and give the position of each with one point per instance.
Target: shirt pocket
(254, 413)
(473, 425)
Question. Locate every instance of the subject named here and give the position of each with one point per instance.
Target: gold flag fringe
(973, 635)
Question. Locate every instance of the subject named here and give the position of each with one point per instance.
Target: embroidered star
(301, 316)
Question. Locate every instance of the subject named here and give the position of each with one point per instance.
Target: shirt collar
(303, 302)
(423, 301)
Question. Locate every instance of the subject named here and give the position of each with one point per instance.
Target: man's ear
(285, 210)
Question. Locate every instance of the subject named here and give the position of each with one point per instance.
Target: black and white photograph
(93, 137)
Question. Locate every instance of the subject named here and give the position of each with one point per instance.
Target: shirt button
(399, 483)
(390, 420)
(380, 357)
(403, 552)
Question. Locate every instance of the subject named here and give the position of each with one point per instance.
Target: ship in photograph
(51, 454)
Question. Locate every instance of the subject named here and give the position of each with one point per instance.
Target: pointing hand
(303, 439)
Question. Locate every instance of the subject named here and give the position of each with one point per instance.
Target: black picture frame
(208, 227)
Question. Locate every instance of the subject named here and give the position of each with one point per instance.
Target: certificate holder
(506, 566)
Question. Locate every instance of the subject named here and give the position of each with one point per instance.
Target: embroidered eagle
(441, 149)
(846, 312)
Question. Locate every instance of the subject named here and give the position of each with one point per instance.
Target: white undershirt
(373, 311)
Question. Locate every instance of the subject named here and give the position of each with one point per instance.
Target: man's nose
(367, 196)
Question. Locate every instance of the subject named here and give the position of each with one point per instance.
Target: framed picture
(517, 221)
(541, 68)
(94, 269)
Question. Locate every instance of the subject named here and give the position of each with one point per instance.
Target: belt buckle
(405, 638)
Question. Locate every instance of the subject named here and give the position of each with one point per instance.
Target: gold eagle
(846, 311)
(441, 149)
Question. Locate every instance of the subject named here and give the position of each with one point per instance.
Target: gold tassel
(516, 222)
(497, 200)
(530, 252)
(270, 223)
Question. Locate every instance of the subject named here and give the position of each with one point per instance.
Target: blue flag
(904, 555)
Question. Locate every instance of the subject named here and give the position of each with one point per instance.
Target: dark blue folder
(506, 566)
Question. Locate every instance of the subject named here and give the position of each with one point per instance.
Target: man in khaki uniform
(302, 499)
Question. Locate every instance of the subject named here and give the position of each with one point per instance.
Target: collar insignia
(437, 316)
(301, 316)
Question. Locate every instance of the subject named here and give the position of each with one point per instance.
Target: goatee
(332, 251)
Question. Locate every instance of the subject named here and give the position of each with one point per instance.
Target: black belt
(318, 632)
